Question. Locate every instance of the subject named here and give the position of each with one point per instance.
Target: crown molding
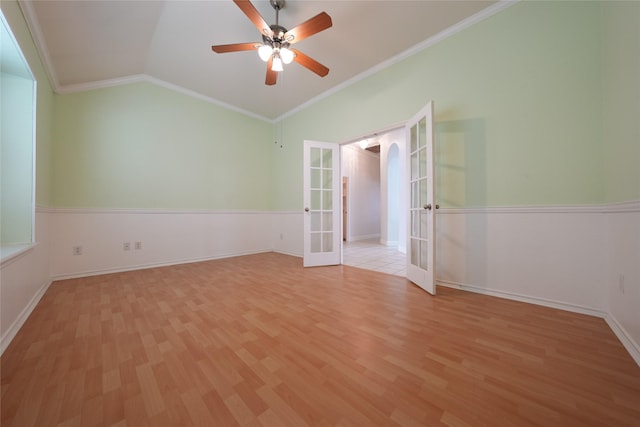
(39, 41)
(137, 78)
(41, 46)
(431, 41)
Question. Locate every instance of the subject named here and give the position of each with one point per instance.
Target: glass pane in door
(321, 204)
(424, 224)
(424, 254)
(316, 156)
(327, 158)
(421, 203)
(419, 197)
(321, 215)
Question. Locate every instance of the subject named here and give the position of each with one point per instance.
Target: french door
(421, 220)
(322, 230)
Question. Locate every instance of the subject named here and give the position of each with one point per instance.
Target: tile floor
(370, 254)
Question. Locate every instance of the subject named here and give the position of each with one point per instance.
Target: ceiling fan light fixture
(274, 49)
(265, 52)
(287, 55)
(277, 63)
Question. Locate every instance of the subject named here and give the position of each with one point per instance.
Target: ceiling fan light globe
(287, 55)
(265, 52)
(277, 64)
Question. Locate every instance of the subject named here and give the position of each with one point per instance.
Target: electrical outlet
(77, 250)
(137, 246)
(126, 246)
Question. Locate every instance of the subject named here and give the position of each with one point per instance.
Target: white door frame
(421, 219)
(322, 194)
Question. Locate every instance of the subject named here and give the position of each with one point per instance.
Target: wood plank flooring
(260, 341)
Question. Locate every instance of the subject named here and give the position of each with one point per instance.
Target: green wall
(144, 146)
(534, 106)
(518, 102)
(621, 62)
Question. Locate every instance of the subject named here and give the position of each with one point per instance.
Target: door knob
(427, 207)
(306, 209)
(437, 206)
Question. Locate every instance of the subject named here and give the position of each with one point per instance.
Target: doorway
(374, 231)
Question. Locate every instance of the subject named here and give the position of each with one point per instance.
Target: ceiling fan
(275, 48)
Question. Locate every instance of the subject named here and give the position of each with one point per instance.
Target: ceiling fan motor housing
(276, 40)
(278, 34)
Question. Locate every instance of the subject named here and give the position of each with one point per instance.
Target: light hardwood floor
(260, 341)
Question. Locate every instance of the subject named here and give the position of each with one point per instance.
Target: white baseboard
(10, 334)
(525, 298)
(287, 253)
(364, 237)
(628, 343)
(152, 265)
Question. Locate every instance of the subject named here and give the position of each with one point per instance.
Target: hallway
(371, 255)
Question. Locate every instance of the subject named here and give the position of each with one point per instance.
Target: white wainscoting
(551, 256)
(623, 273)
(287, 229)
(25, 278)
(569, 258)
(565, 257)
(167, 237)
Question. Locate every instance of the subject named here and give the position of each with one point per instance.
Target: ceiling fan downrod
(277, 5)
(276, 40)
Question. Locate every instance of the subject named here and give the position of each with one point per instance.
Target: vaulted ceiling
(93, 43)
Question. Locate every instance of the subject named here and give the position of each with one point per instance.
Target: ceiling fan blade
(254, 16)
(318, 23)
(310, 63)
(235, 47)
(272, 76)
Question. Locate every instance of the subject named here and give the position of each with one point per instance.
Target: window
(17, 124)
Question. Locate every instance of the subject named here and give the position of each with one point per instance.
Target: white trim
(136, 211)
(431, 41)
(100, 84)
(620, 207)
(626, 340)
(524, 298)
(41, 45)
(31, 19)
(32, 23)
(364, 237)
(12, 331)
(34, 165)
(614, 207)
(137, 78)
(287, 253)
(153, 265)
(11, 253)
(205, 98)
(526, 209)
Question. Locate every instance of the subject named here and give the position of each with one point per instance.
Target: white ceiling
(90, 43)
